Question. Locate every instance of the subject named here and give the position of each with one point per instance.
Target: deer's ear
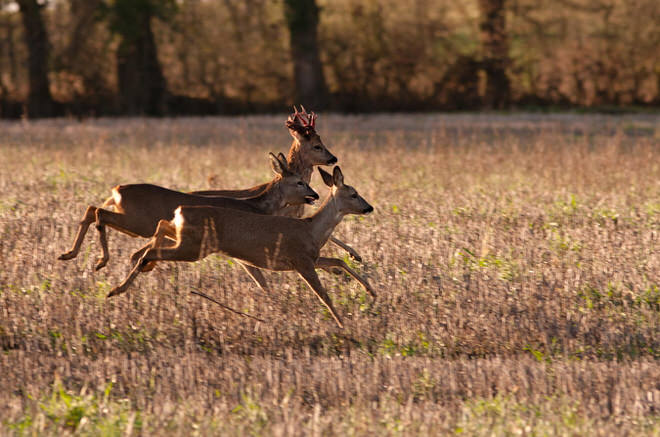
(276, 165)
(327, 178)
(282, 159)
(337, 176)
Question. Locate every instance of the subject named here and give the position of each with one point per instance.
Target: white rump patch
(116, 196)
(178, 218)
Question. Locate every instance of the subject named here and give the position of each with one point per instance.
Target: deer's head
(346, 198)
(312, 151)
(294, 189)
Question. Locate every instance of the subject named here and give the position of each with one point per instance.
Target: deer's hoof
(356, 257)
(66, 256)
(100, 264)
(149, 266)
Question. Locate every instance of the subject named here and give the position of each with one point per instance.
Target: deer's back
(147, 204)
(234, 194)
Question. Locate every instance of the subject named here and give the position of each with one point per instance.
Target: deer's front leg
(330, 263)
(307, 272)
(352, 253)
(257, 275)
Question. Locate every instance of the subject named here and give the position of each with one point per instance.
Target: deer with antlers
(307, 150)
(267, 242)
(141, 206)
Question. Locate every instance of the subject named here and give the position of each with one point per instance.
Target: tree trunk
(302, 17)
(40, 101)
(495, 49)
(142, 87)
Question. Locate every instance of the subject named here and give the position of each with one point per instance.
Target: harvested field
(516, 258)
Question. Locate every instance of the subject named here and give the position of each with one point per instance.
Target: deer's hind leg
(87, 219)
(103, 218)
(184, 250)
(135, 257)
(164, 230)
(126, 224)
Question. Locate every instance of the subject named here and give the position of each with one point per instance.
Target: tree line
(160, 57)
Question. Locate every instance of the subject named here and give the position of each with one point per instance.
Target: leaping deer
(267, 242)
(141, 206)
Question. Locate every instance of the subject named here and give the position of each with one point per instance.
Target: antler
(301, 119)
(311, 117)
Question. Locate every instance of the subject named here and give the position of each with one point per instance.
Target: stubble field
(515, 257)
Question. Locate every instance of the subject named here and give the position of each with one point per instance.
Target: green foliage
(424, 385)
(652, 209)
(60, 177)
(505, 268)
(616, 298)
(251, 414)
(9, 204)
(86, 413)
(564, 208)
(503, 415)
(603, 215)
(539, 355)
(417, 346)
(650, 297)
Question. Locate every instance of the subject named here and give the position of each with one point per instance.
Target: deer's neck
(297, 164)
(270, 200)
(324, 221)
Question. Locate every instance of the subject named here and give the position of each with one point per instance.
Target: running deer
(307, 150)
(267, 242)
(141, 206)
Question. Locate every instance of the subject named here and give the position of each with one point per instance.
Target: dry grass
(516, 260)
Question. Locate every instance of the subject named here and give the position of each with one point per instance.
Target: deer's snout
(311, 197)
(332, 160)
(368, 209)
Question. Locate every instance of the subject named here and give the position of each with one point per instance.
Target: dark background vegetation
(159, 57)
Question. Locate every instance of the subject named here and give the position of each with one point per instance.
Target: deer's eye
(300, 183)
(317, 147)
(354, 195)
